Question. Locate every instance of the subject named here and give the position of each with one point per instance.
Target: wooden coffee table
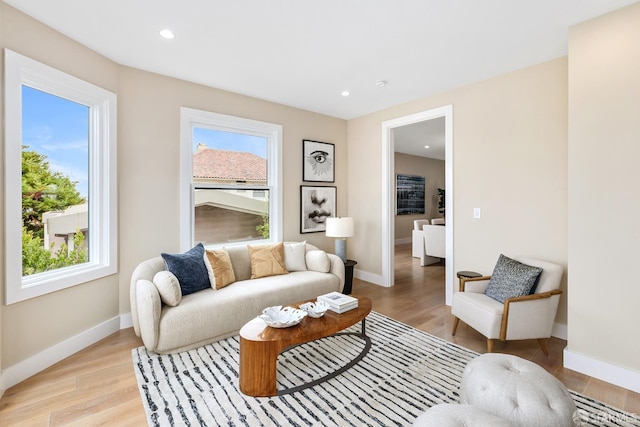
(260, 346)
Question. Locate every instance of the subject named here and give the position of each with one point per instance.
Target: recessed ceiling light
(381, 83)
(426, 146)
(167, 34)
(345, 93)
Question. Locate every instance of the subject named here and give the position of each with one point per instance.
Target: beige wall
(433, 172)
(148, 153)
(510, 160)
(149, 130)
(604, 202)
(2, 245)
(33, 325)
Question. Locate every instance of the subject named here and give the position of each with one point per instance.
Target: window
(230, 180)
(60, 192)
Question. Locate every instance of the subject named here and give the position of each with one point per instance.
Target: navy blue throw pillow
(189, 268)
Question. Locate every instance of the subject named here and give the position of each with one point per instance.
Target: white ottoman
(517, 390)
(454, 415)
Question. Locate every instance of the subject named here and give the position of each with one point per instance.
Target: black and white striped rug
(405, 372)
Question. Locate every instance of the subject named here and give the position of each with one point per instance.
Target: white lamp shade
(339, 227)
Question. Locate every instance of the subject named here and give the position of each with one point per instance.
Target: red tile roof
(211, 163)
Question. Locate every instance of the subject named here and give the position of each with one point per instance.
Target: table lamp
(340, 228)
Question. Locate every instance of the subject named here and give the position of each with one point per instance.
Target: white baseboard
(40, 361)
(376, 279)
(403, 241)
(559, 331)
(126, 321)
(604, 371)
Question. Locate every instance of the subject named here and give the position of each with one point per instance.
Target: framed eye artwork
(318, 161)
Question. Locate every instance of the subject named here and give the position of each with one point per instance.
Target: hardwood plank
(97, 386)
(88, 407)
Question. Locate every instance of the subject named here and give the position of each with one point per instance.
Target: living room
(528, 149)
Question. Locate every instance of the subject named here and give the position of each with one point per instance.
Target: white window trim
(191, 118)
(102, 245)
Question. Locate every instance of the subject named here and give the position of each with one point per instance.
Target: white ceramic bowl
(278, 317)
(315, 309)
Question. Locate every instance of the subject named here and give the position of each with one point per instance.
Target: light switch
(476, 213)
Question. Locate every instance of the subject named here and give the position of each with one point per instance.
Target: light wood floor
(97, 386)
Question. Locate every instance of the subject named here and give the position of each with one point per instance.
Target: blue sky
(230, 141)
(59, 129)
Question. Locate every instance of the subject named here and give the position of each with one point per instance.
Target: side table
(348, 276)
(466, 275)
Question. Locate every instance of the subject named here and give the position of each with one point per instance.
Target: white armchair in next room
(434, 244)
(417, 238)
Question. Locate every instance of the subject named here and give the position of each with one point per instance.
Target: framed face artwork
(318, 161)
(316, 205)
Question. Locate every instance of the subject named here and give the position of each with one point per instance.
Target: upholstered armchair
(529, 316)
(434, 240)
(417, 238)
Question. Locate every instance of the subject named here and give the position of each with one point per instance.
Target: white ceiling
(305, 53)
(411, 139)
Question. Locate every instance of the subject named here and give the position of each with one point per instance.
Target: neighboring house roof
(211, 163)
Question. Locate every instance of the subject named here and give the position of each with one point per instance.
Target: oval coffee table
(260, 346)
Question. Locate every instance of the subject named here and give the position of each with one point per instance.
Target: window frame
(191, 118)
(102, 204)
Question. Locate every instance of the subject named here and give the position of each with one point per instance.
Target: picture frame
(317, 203)
(410, 190)
(318, 161)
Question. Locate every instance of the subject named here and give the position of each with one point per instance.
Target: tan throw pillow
(219, 267)
(267, 260)
(168, 287)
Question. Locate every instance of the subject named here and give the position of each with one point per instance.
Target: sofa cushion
(267, 260)
(294, 256)
(189, 268)
(240, 261)
(317, 260)
(219, 268)
(511, 279)
(192, 321)
(168, 287)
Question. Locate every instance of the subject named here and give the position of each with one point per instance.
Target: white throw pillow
(318, 260)
(168, 287)
(294, 256)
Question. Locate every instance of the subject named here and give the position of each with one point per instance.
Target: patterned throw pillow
(267, 260)
(511, 279)
(189, 268)
(220, 268)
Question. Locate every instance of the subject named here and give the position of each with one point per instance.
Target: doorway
(388, 192)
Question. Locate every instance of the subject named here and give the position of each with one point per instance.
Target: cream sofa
(210, 315)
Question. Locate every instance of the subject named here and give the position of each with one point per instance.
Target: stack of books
(339, 303)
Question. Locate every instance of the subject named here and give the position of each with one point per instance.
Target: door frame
(388, 187)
